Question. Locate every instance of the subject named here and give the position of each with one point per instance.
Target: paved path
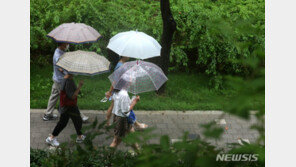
(172, 123)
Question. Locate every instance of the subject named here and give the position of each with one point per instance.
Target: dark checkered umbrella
(138, 77)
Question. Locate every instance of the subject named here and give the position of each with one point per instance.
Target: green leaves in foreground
(159, 152)
(211, 130)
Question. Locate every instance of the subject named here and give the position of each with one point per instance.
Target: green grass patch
(184, 92)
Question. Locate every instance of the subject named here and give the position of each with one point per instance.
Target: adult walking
(58, 75)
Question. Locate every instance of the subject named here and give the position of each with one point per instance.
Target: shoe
(80, 140)
(53, 142)
(49, 117)
(85, 118)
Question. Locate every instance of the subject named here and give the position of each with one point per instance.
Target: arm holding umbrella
(134, 102)
(109, 93)
(75, 94)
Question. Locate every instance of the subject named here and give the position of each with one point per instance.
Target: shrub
(37, 157)
(212, 36)
(186, 153)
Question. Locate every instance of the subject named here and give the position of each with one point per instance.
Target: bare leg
(109, 113)
(52, 136)
(135, 146)
(140, 125)
(116, 141)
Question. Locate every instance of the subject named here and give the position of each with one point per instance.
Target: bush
(211, 37)
(186, 153)
(108, 17)
(37, 156)
(210, 32)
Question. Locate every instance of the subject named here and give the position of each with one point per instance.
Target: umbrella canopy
(75, 33)
(134, 44)
(138, 77)
(84, 63)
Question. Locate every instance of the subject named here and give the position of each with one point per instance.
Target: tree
(169, 27)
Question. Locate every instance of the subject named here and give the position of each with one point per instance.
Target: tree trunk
(169, 27)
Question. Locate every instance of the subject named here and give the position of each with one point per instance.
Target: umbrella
(84, 63)
(134, 44)
(138, 77)
(76, 33)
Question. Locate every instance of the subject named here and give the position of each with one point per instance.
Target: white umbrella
(76, 33)
(83, 62)
(134, 44)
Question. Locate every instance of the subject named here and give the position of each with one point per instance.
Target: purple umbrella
(138, 77)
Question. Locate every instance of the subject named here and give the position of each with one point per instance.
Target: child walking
(109, 96)
(121, 109)
(68, 109)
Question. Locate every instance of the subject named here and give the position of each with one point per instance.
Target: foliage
(108, 17)
(72, 154)
(211, 34)
(224, 39)
(186, 153)
(209, 37)
(36, 157)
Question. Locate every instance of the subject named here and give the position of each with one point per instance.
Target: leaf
(165, 142)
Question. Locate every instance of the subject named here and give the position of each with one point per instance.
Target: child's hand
(137, 98)
(81, 83)
(108, 94)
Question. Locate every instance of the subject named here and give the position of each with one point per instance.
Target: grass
(183, 92)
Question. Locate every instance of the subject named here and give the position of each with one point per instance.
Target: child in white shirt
(121, 110)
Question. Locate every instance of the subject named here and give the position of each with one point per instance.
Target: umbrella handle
(104, 100)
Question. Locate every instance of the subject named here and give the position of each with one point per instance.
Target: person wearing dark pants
(68, 109)
(74, 114)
